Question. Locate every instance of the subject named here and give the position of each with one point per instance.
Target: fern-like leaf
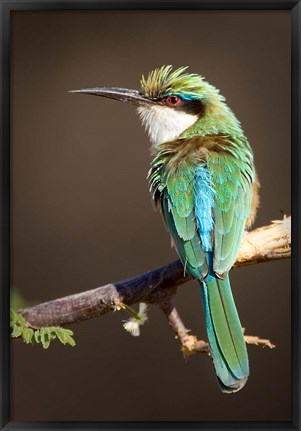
(43, 336)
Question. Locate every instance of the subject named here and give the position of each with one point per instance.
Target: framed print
(110, 331)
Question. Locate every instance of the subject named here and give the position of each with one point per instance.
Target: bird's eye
(173, 100)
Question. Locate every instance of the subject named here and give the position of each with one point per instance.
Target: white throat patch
(164, 124)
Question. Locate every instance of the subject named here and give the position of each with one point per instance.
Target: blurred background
(82, 215)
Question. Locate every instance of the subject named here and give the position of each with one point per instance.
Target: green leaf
(70, 340)
(37, 336)
(42, 336)
(45, 338)
(27, 335)
(16, 318)
(65, 336)
(60, 332)
(16, 332)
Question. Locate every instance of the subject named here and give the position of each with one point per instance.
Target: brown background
(82, 215)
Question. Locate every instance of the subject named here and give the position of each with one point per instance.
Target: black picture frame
(8, 6)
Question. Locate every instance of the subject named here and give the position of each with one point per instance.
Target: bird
(203, 178)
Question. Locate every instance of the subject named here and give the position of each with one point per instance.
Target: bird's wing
(175, 193)
(231, 179)
(205, 201)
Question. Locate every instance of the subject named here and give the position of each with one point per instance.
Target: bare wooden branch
(189, 343)
(260, 245)
(256, 341)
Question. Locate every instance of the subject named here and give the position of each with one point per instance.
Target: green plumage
(190, 249)
(203, 181)
(172, 181)
(225, 335)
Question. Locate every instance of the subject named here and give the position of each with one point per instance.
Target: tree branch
(158, 286)
(189, 343)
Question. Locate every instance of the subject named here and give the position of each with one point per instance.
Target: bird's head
(170, 103)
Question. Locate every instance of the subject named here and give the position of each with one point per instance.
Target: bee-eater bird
(203, 178)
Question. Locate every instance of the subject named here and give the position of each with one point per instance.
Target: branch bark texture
(157, 286)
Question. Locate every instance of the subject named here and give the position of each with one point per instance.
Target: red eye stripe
(173, 100)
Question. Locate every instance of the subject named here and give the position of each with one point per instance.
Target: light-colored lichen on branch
(266, 243)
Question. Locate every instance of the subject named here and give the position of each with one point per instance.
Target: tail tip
(239, 384)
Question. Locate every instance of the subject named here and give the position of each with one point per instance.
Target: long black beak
(121, 94)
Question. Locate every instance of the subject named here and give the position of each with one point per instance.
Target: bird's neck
(216, 119)
(164, 124)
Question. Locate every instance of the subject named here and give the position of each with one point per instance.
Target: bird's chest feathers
(165, 124)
